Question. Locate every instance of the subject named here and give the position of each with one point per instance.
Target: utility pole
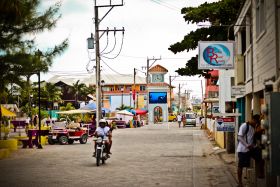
(97, 21)
(179, 97)
(170, 87)
(97, 69)
(134, 77)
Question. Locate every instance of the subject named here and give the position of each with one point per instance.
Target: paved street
(154, 155)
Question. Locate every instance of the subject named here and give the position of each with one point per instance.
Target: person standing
(179, 119)
(245, 144)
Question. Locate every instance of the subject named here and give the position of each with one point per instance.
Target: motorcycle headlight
(99, 140)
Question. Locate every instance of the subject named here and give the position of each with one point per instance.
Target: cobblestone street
(154, 155)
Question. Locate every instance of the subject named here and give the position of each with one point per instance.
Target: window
(128, 88)
(260, 17)
(106, 88)
(212, 94)
(119, 88)
(248, 64)
(142, 88)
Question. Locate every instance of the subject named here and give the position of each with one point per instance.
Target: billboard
(157, 97)
(215, 55)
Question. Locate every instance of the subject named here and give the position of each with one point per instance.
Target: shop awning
(6, 112)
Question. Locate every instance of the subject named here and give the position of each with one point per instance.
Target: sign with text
(225, 124)
(215, 55)
(238, 91)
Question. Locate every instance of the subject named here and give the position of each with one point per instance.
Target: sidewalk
(231, 162)
(228, 159)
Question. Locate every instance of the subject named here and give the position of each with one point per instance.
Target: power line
(111, 68)
(171, 7)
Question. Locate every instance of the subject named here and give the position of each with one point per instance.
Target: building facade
(257, 66)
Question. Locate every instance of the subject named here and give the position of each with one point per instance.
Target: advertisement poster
(225, 124)
(215, 55)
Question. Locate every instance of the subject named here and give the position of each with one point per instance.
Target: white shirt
(102, 131)
(250, 137)
(179, 117)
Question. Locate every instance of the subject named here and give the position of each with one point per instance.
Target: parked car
(190, 119)
(172, 117)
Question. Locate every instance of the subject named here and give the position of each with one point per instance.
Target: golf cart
(64, 133)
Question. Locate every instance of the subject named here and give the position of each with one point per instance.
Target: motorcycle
(100, 152)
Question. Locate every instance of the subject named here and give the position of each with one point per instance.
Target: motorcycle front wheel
(103, 159)
(98, 157)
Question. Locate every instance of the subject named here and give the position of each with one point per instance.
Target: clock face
(158, 78)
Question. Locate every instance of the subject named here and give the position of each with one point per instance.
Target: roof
(109, 79)
(160, 84)
(158, 68)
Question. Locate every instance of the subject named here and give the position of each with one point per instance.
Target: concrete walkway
(153, 155)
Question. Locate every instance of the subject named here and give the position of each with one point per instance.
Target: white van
(190, 119)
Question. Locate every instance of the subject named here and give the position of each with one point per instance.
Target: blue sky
(151, 26)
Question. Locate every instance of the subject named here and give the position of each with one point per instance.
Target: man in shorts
(245, 144)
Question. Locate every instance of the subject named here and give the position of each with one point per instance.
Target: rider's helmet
(102, 123)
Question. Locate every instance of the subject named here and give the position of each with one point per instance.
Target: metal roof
(109, 79)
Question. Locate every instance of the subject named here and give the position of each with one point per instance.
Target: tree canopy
(219, 16)
(20, 20)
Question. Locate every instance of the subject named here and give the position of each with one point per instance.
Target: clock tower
(158, 93)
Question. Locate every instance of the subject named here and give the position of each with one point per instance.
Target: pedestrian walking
(179, 119)
(246, 148)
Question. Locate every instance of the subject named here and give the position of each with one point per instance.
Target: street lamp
(122, 96)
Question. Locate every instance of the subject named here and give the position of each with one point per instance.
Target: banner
(215, 55)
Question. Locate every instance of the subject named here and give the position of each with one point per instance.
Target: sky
(151, 26)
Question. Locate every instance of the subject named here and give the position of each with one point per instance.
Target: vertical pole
(147, 91)
(98, 104)
(134, 73)
(122, 98)
(130, 98)
(137, 100)
(201, 97)
(179, 95)
(170, 105)
(39, 106)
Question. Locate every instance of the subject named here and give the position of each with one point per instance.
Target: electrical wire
(119, 50)
(111, 68)
(106, 42)
(166, 5)
(108, 77)
(113, 46)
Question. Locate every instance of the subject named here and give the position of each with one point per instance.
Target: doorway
(157, 114)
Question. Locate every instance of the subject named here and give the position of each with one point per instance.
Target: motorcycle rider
(101, 131)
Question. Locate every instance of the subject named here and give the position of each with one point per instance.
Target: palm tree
(123, 107)
(51, 94)
(78, 88)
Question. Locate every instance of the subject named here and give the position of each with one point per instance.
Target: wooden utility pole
(170, 88)
(134, 91)
(179, 98)
(97, 21)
